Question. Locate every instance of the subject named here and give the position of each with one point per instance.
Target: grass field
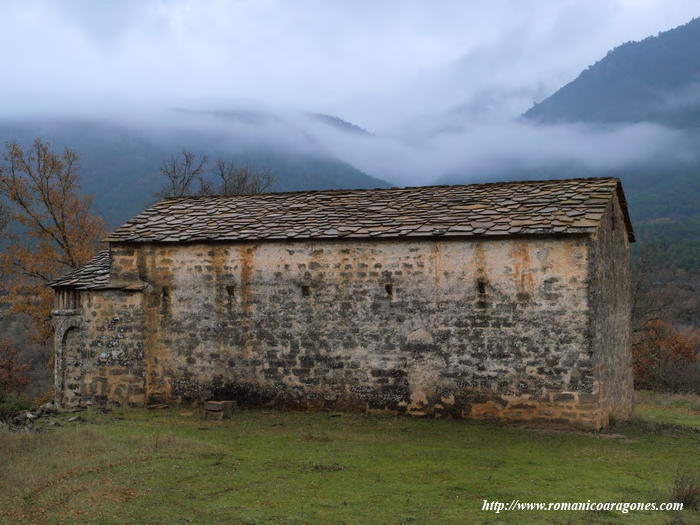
(676, 409)
(169, 466)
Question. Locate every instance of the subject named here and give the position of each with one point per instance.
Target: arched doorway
(72, 369)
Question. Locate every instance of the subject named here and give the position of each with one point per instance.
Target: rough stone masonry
(505, 300)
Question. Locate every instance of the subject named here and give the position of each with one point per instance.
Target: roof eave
(490, 237)
(620, 192)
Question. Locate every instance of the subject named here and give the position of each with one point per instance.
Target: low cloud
(439, 85)
(434, 150)
(493, 149)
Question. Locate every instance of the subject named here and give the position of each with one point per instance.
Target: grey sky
(389, 66)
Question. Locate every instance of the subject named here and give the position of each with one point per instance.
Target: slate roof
(94, 275)
(493, 209)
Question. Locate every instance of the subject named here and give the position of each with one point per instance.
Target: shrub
(678, 377)
(666, 359)
(10, 404)
(43, 399)
(13, 372)
(686, 490)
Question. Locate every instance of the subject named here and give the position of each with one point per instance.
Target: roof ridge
(393, 188)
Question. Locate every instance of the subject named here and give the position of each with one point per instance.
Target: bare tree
(187, 173)
(241, 180)
(183, 172)
(652, 300)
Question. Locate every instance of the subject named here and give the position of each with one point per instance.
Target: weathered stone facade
(534, 327)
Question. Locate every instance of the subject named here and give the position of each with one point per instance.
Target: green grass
(261, 467)
(675, 409)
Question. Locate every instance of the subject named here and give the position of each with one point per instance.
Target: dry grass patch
(74, 470)
(315, 437)
(324, 467)
(690, 402)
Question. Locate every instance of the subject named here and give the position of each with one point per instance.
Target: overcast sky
(381, 64)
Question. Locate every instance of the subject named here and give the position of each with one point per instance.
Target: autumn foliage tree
(4, 217)
(53, 228)
(665, 358)
(13, 372)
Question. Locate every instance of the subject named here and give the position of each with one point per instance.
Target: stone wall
(520, 329)
(100, 349)
(469, 328)
(610, 299)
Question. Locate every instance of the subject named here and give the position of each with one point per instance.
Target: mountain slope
(654, 80)
(120, 162)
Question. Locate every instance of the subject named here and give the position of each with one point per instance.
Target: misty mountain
(653, 83)
(340, 124)
(120, 159)
(654, 80)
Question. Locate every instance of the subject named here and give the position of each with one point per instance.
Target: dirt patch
(324, 467)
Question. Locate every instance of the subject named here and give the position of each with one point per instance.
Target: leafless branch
(186, 174)
(241, 180)
(182, 173)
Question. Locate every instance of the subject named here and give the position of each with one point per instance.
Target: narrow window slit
(164, 299)
(481, 286)
(389, 289)
(230, 295)
(305, 290)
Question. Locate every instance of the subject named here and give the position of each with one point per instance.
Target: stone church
(505, 300)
